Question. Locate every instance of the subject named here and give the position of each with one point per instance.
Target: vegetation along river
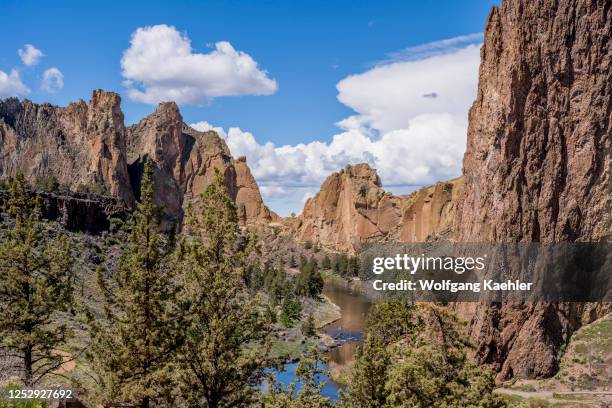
(348, 331)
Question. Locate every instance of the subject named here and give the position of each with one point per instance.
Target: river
(348, 330)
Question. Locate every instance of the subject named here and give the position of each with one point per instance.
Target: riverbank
(289, 343)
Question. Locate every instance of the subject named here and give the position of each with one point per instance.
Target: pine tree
(326, 264)
(290, 311)
(427, 368)
(134, 343)
(224, 354)
(310, 281)
(36, 283)
(369, 376)
(308, 326)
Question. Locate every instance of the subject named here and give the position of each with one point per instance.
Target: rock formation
(82, 145)
(248, 198)
(86, 146)
(186, 161)
(428, 213)
(352, 208)
(537, 164)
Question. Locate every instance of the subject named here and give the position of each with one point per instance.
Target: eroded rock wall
(537, 164)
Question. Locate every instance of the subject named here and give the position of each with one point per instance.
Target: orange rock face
(428, 213)
(248, 198)
(352, 208)
(186, 161)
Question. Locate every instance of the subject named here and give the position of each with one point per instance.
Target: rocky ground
(585, 376)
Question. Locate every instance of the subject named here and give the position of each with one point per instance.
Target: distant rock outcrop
(82, 145)
(538, 160)
(428, 213)
(352, 208)
(86, 146)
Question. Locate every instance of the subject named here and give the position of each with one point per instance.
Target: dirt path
(550, 395)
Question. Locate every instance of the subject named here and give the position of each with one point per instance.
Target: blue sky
(305, 48)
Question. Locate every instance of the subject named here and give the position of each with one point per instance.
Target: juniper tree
(224, 354)
(36, 283)
(133, 344)
(418, 358)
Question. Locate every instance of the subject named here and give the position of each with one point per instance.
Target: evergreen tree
(134, 344)
(336, 265)
(290, 311)
(369, 376)
(36, 282)
(308, 326)
(310, 281)
(293, 263)
(427, 368)
(223, 355)
(353, 266)
(326, 264)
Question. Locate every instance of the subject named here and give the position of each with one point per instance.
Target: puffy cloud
(160, 65)
(53, 80)
(11, 85)
(410, 124)
(30, 55)
(429, 150)
(388, 97)
(204, 126)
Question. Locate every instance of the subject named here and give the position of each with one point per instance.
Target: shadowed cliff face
(537, 164)
(87, 145)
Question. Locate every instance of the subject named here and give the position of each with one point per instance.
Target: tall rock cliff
(537, 164)
(352, 208)
(248, 198)
(82, 145)
(87, 146)
(428, 214)
(186, 161)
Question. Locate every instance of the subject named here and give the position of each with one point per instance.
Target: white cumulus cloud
(30, 55)
(410, 124)
(160, 65)
(11, 85)
(388, 97)
(53, 80)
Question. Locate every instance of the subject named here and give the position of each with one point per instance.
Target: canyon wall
(87, 146)
(352, 208)
(82, 145)
(537, 164)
